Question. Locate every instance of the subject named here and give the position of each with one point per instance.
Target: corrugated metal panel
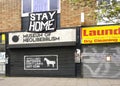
(95, 63)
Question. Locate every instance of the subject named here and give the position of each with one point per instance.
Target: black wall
(66, 65)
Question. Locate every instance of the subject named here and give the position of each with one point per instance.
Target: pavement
(51, 81)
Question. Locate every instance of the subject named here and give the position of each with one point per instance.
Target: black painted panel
(66, 66)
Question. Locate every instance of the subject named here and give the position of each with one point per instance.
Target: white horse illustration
(49, 62)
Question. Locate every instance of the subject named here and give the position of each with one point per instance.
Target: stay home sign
(43, 21)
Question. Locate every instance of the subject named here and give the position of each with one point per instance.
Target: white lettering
(37, 26)
(51, 14)
(32, 24)
(50, 24)
(32, 17)
(44, 16)
(39, 16)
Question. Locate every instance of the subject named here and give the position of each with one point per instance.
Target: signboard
(32, 38)
(100, 34)
(41, 62)
(2, 38)
(43, 21)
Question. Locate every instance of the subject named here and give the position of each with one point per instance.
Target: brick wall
(70, 15)
(10, 15)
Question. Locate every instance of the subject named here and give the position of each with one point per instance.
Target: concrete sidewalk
(47, 81)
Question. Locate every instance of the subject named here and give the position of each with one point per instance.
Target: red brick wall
(71, 16)
(10, 15)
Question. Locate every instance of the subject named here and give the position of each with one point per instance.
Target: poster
(43, 21)
(41, 62)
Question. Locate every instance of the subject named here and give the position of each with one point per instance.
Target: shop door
(102, 61)
(2, 63)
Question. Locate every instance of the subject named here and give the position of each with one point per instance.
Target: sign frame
(41, 57)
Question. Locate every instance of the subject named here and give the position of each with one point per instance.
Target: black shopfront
(41, 54)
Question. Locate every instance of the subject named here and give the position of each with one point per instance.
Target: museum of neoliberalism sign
(33, 38)
(41, 62)
(43, 21)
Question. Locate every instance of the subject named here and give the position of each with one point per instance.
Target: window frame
(32, 2)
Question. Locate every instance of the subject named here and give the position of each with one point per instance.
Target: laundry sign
(100, 34)
(42, 21)
(41, 62)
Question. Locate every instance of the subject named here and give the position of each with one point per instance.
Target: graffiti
(95, 63)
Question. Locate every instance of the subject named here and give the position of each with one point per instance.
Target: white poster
(41, 62)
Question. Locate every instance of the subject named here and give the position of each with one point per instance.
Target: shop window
(29, 6)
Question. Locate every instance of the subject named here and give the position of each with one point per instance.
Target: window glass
(54, 6)
(40, 5)
(26, 6)
(29, 6)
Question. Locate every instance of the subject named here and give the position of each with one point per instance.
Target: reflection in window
(40, 5)
(26, 6)
(54, 6)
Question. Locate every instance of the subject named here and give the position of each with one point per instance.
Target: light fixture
(108, 58)
(82, 17)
